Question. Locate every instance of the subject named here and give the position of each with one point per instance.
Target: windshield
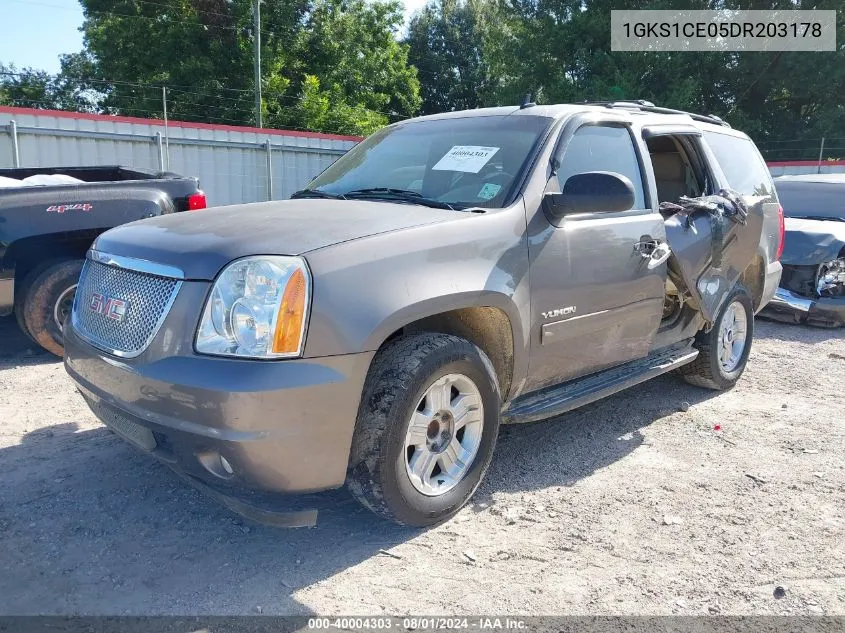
(473, 161)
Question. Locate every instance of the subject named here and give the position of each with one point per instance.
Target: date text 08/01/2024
(416, 623)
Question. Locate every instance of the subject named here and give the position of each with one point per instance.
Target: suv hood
(201, 243)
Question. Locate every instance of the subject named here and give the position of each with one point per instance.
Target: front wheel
(426, 428)
(724, 350)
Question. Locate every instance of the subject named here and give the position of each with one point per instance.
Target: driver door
(595, 302)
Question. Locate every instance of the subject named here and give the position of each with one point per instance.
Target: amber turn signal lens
(291, 315)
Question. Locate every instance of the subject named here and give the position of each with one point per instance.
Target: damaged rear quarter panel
(690, 238)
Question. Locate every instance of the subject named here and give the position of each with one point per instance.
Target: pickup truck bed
(46, 230)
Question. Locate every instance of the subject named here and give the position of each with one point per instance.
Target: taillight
(782, 230)
(197, 201)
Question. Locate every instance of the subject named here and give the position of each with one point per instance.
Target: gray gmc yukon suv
(448, 274)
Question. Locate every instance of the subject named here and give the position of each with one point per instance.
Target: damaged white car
(812, 289)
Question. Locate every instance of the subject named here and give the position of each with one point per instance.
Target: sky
(33, 33)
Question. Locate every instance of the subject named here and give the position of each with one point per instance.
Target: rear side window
(603, 148)
(742, 164)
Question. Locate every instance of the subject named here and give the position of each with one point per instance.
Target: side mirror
(590, 192)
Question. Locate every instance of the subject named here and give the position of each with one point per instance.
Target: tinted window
(743, 166)
(603, 148)
(471, 160)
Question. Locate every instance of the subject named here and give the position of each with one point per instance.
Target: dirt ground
(630, 506)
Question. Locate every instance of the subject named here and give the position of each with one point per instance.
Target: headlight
(257, 309)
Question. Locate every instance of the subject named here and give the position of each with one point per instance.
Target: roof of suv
(623, 110)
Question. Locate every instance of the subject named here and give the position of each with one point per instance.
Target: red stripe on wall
(182, 124)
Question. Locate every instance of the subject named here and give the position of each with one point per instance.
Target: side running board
(558, 399)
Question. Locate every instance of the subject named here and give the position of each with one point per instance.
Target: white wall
(231, 162)
(795, 168)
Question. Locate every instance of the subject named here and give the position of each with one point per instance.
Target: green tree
(560, 51)
(27, 87)
(202, 50)
(30, 88)
(349, 64)
(321, 110)
(447, 41)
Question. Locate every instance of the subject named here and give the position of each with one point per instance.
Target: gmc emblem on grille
(110, 307)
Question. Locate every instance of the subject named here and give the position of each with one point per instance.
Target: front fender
(435, 305)
(367, 289)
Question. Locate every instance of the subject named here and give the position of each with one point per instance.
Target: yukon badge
(558, 312)
(110, 307)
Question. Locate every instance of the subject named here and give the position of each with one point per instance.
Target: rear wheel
(426, 429)
(47, 301)
(724, 350)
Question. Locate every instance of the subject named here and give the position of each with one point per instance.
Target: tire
(20, 293)
(19, 318)
(49, 289)
(404, 381)
(709, 369)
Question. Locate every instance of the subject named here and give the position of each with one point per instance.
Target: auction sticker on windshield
(466, 158)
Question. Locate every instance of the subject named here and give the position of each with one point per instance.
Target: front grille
(120, 310)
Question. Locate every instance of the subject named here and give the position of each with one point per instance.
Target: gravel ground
(630, 506)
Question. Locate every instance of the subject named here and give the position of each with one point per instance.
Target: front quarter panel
(364, 290)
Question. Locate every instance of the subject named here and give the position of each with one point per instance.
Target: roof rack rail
(648, 106)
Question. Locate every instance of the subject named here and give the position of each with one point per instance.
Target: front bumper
(790, 307)
(279, 426)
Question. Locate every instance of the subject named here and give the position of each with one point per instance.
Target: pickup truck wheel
(426, 428)
(724, 350)
(21, 290)
(47, 302)
(19, 317)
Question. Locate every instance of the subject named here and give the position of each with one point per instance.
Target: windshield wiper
(388, 193)
(316, 193)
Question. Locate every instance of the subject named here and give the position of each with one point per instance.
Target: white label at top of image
(650, 30)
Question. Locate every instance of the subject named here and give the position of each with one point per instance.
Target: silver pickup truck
(448, 274)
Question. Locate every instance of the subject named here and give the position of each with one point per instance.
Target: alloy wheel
(444, 434)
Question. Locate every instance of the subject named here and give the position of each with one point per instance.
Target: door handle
(655, 251)
(660, 254)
